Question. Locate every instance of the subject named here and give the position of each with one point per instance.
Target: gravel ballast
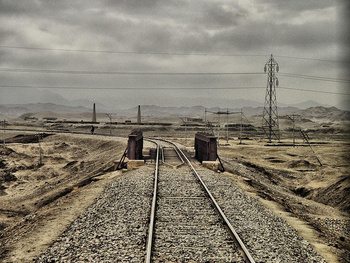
(268, 237)
(113, 228)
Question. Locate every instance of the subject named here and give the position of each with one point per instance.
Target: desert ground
(40, 197)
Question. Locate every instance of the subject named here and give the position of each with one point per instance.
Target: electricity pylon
(270, 116)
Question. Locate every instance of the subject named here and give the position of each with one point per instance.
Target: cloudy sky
(109, 47)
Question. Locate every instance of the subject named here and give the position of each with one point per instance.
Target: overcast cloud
(250, 29)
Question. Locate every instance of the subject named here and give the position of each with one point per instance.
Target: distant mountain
(344, 105)
(197, 111)
(157, 111)
(330, 113)
(15, 110)
(316, 113)
(308, 104)
(15, 96)
(26, 96)
(224, 103)
(105, 103)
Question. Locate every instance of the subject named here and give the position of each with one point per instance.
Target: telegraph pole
(110, 123)
(270, 116)
(40, 150)
(3, 138)
(293, 126)
(240, 130)
(227, 126)
(293, 131)
(219, 128)
(185, 122)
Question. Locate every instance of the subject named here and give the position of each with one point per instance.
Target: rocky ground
(302, 189)
(268, 237)
(113, 228)
(39, 201)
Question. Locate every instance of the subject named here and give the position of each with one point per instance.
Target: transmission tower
(270, 115)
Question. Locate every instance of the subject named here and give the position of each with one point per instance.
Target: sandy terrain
(301, 190)
(37, 202)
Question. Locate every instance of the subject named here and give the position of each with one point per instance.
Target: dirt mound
(337, 194)
(4, 151)
(301, 164)
(70, 164)
(7, 177)
(61, 145)
(26, 138)
(2, 164)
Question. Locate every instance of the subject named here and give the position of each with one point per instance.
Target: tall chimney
(94, 113)
(139, 115)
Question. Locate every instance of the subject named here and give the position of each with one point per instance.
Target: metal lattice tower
(270, 116)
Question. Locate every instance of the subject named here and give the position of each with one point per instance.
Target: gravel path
(114, 229)
(267, 237)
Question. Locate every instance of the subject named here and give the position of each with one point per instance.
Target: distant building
(30, 118)
(194, 119)
(49, 118)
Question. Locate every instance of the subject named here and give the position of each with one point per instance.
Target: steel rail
(177, 154)
(153, 208)
(233, 233)
(248, 258)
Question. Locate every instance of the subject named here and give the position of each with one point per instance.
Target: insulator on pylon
(277, 68)
(265, 69)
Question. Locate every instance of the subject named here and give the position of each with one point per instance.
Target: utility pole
(293, 131)
(270, 116)
(3, 137)
(185, 122)
(219, 128)
(227, 126)
(293, 126)
(306, 139)
(40, 150)
(240, 130)
(205, 119)
(186, 131)
(110, 123)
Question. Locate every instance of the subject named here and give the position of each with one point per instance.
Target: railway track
(186, 223)
(183, 226)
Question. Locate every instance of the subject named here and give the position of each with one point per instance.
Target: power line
(316, 91)
(166, 53)
(125, 88)
(90, 72)
(160, 88)
(314, 59)
(289, 75)
(134, 52)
